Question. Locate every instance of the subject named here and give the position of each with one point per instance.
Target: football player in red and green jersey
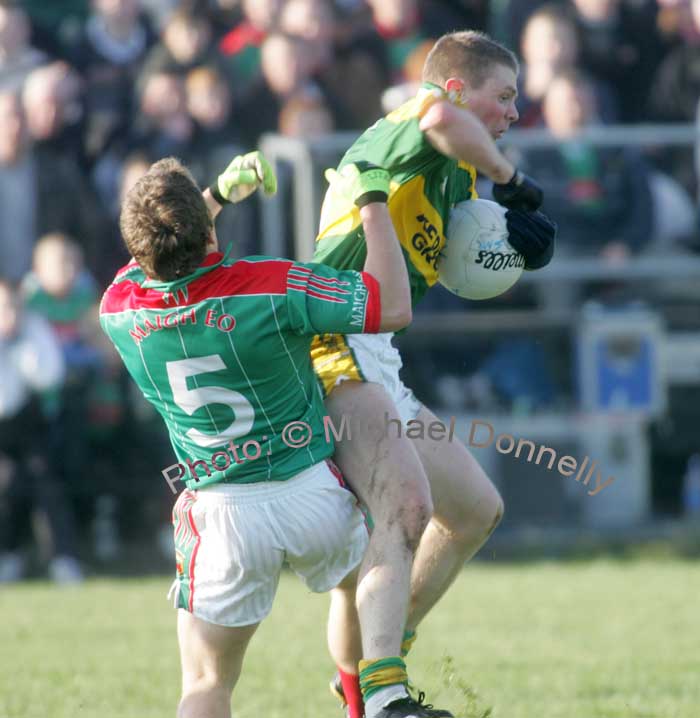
(425, 495)
(221, 349)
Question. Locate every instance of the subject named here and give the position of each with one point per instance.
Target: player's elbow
(438, 117)
(395, 320)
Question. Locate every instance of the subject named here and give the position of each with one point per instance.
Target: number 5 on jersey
(190, 400)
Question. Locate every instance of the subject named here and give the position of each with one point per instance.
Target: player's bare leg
(467, 508)
(211, 657)
(385, 472)
(345, 645)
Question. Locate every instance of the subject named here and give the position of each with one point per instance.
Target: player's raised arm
(457, 132)
(368, 188)
(239, 180)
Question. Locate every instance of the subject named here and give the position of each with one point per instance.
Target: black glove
(520, 192)
(532, 234)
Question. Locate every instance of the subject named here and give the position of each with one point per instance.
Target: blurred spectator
(64, 199)
(394, 96)
(441, 16)
(286, 68)
(673, 94)
(354, 104)
(17, 57)
(163, 127)
(305, 115)
(381, 43)
(599, 196)
(241, 46)
(697, 150)
(53, 108)
(620, 46)
(360, 53)
(185, 43)
(549, 45)
(18, 196)
(160, 10)
(210, 102)
(135, 166)
(224, 14)
(313, 21)
(108, 54)
(674, 21)
(675, 87)
(216, 139)
(216, 136)
(61, 290)
(113, 253)
(55, 22)
(398, 23)
(30, 364)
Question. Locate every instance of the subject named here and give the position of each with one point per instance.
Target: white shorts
(231, 541)
(380, 362)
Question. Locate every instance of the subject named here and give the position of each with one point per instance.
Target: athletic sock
(382, 681)
(409, 638)
(352, 693)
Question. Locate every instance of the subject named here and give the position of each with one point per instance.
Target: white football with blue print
(477, 261)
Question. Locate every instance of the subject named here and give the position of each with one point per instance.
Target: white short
(231, 542)
(380, 362)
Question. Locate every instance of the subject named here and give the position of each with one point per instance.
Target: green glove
(360, 184)
(242, 177)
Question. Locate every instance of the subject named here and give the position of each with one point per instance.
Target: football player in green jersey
(221, 349)
(431, 503)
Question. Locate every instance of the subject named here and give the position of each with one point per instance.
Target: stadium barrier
(308, 157)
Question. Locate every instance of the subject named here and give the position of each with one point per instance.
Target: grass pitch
(603, 638)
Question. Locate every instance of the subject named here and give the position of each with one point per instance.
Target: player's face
(494, 102)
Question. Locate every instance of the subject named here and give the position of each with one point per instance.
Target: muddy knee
(412, 516)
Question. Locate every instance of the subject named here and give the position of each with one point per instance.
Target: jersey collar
(211, 261)
(428, 88)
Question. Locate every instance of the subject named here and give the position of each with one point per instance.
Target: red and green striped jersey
(425, 185)
(223, 355)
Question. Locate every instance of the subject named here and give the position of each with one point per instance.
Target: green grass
(544, 640)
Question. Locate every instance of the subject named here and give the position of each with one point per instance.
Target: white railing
(308, 157)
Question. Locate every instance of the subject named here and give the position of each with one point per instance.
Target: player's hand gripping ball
(242, 177)
(520, 192)
(533, 235)
(477, 261)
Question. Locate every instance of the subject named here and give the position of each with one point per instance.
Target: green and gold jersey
(425, 185)
(223, 355)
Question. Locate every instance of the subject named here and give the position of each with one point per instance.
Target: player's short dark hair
(165, 222)
(468, 52)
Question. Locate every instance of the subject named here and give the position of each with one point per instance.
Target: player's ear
(456, 89)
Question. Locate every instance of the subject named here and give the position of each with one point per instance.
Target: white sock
(383, 697)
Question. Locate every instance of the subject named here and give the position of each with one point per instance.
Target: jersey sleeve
(397, 143)
(323, 300)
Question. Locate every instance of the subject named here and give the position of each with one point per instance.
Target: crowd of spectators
(93, 91)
